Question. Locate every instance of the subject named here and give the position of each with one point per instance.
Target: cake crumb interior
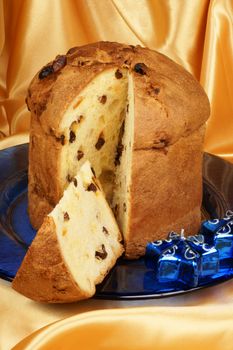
(86, 230)
(98, 126)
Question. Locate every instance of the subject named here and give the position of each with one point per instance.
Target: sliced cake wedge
(76, 246)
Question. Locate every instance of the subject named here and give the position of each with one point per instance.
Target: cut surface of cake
(76, 246)
(139, 118)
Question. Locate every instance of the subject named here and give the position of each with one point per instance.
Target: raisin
(101, 254)
(75, 182)
(101, 141)
(105, 230)
(93, 171)
(119, 151)
(69, 178)
(80, 118)
(45, 72)
(157, 90)
(164, 142)
(124, 207)
(127, 62)
(116, 209)
(83, 62)
(59, 62)
(140, 68)
(72, 50)
(80, 154)
(103, 99)
(66, 216)
(72, 136)
(92, 187)
(52, 133)
(118, 74)
(96, 184)
(62, 139)
(120, 147)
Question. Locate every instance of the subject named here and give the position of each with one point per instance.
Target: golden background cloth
(209, 328)
(197, 34)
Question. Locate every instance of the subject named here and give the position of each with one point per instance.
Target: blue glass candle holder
(219, 233)
(187, 261)
(182, 261)
(209, 227)
(155, 249)
(208, 255)
(178, 265)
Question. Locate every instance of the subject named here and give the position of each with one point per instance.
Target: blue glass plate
(128, 279)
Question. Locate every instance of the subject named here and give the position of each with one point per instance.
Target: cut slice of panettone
(76, 246)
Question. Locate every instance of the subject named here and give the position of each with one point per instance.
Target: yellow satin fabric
(20, 316)
(197, 34)
(139, 329)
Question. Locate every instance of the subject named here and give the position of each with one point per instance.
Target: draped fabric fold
(217, 77)
(197, 34)
(138, 329)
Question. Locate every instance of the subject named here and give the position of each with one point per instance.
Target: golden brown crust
(44, 188)
(167, 193)
(43, 275)
(180, 95)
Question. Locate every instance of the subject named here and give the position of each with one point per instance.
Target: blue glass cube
(168, 269)
(208, 255)
(189, 260)
(155, 249)
(209, 263)
(223, 241)
(174, 267)
(212, 226)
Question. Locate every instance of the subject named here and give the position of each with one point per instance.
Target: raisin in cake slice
(76, 246)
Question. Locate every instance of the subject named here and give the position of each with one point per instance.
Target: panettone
(76, 246)
(139, 118)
